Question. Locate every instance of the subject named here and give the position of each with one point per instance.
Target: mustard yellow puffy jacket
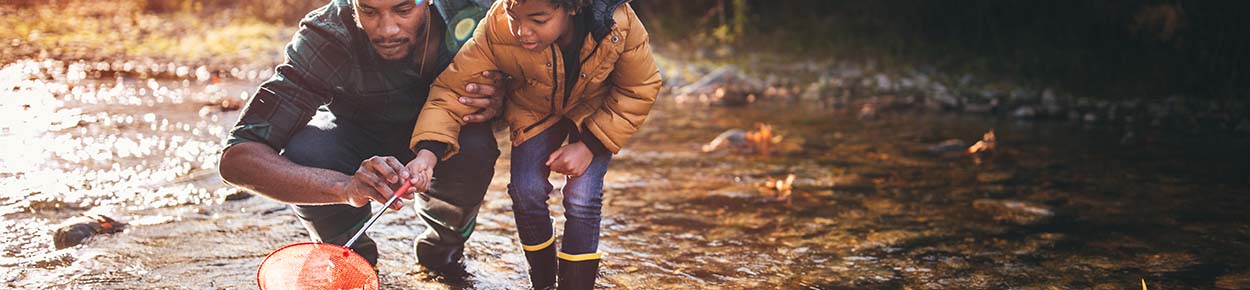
(611, 97)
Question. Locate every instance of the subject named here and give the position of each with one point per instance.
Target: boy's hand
(422, 169)
(487, 98)
(571, 159)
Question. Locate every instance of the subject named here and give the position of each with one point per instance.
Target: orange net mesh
(316, 266)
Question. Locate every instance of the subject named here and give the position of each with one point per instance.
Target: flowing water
(875, 203)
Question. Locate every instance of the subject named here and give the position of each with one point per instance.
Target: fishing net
(316, 266)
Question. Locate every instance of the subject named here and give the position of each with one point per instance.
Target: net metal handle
(375, 217)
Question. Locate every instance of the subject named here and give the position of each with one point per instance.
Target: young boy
(584, 73)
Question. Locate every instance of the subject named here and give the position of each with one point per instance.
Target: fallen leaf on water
(780, 188)
(762, 139)
(986, 144)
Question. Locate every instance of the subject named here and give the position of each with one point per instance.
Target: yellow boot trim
(539, 247)
(576, 258)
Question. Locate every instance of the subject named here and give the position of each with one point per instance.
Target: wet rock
(1233, 281)
(763, 141)
(726, 86)
(1090, 118)
(1024, 112)
(950, 145)
(1050, 102)
(884, 83)
(941, 98)
(78, 230)
(820, 90)
(985, 103)
(238, 194)
(1013, 211)
(732, 139)
(732, 96)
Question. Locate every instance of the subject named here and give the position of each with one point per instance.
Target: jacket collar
(601, 14)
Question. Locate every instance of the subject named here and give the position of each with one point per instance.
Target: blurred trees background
(1136, 48)
(1132, 48)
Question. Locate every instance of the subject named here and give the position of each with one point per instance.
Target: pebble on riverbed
(79, 229)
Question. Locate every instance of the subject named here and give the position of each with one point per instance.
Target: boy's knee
(529, 195)
(582, 204)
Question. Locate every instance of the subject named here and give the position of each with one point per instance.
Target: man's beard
(412, 47)
(390, 41)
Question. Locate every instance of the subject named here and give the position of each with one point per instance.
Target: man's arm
(285, 103)
(445, 110)
(257, 167)
(282, 106)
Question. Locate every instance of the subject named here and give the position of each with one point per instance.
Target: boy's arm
(438, 124)
(635, 84)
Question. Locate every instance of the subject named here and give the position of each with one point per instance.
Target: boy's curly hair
(575, 5)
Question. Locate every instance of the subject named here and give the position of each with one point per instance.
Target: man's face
(538, 23)
(391, 25)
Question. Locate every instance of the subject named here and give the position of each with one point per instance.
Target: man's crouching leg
(450, 207)
(326, 144)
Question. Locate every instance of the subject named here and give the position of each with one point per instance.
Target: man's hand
(571, 159)
(422, 168)
(376, 179)
(487, 98)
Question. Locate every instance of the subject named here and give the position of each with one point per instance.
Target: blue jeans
(583, 195)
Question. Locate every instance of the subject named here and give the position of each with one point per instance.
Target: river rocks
(733, 140)
(727, 86)
(1024, 112)
(1014, 211)
(238, 194)
(950, 145)
(80, 229)
(1050, 102)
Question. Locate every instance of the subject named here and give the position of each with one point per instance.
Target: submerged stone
(78, 230)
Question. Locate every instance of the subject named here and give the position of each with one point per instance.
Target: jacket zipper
(582, 64)
(555, 84)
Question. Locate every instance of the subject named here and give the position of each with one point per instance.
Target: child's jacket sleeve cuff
(586, 137)
(438, 148)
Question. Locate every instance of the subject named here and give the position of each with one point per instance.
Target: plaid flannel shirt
(330, 65)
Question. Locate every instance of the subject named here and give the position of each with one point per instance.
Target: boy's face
(391, 25)
(538, 23)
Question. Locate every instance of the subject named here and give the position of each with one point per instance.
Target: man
(328, 133)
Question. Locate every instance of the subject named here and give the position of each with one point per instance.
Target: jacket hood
(601, 16)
